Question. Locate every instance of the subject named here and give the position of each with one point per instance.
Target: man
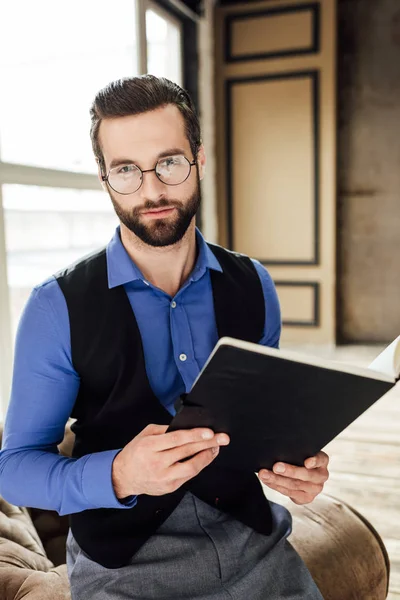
(114, 340)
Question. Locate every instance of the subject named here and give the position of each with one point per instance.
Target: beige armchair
(344, 553)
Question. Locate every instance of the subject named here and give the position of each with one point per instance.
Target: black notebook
(278, 405)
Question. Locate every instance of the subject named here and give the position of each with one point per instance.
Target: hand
(150, 463)
(301, 484)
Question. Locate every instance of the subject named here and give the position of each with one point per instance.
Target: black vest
(115, 401)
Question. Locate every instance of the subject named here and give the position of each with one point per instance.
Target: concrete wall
(369, 170)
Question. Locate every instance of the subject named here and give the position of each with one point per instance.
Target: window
(48, 228)
(52, 71)
(163, 45)
(52, 63)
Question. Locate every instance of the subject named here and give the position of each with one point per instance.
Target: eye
(126, 169)
(171, 160)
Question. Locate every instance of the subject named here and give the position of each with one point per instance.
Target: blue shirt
(45, 383)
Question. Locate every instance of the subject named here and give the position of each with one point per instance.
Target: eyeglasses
(127, 179)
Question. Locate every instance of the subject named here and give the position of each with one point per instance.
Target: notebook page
(388, 361)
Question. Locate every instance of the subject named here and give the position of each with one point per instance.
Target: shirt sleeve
(44, 389)
(273, 324)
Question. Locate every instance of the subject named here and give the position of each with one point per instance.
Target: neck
(167, 267)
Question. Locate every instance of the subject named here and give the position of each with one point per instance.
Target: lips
(160, 210)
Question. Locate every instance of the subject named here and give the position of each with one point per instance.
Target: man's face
(142, 139)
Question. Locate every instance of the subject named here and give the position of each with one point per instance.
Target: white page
(388, 361)
(386, 366)
(372, 371)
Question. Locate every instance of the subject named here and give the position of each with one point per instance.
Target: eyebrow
(116, 162)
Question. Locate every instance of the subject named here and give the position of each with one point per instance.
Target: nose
(152, 188)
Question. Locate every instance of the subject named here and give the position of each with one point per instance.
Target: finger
(153, 429)
(190, 468)
(298, 497)
(317, 475)
(181, 437)
(302, 498)
(319, 460)
(181, 452)
(274, 481)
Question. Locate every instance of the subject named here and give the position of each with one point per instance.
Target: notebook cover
(274, 409)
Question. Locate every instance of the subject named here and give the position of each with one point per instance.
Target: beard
(160, 232)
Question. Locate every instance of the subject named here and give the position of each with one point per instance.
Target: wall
(276, 155)
(369, 170)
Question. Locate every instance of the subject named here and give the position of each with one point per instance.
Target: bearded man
(113, 341)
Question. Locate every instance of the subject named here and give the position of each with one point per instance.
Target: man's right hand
(150, 463)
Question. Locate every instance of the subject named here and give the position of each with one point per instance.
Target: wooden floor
(365, 461)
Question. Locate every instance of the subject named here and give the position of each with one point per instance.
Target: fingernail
(279, 469)
(215, 450)
(207, 435)
(312, 463)
(223, 440)
(266, 477)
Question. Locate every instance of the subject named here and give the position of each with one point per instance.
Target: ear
(99, 175)
(201, 161)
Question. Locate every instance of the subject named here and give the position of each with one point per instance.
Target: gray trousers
(199, 553)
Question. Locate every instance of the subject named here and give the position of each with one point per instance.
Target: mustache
(149, 205)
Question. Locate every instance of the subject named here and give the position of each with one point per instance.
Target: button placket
(181, 338)
(182, 356)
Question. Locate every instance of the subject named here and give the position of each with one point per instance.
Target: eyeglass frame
(191, 164)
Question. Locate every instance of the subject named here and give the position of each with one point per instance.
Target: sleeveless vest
(115, 401)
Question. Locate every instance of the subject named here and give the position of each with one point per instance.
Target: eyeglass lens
(171, 170)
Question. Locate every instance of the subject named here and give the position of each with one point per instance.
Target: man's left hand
(301, 484)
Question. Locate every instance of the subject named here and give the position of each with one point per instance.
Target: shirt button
(173, 304)
(182, 357)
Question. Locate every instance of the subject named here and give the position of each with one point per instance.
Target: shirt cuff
(97, 484)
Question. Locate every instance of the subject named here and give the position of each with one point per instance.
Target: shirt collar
(122, 269)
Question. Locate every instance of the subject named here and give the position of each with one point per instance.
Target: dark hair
(135, 95)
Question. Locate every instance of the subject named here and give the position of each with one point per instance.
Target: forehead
(142, 137)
